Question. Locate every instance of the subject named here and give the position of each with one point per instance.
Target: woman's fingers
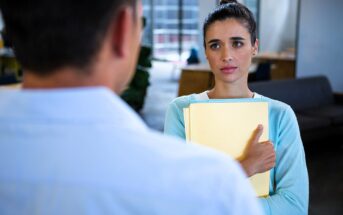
(257, 134)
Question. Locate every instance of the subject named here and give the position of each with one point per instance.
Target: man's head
(51, 35)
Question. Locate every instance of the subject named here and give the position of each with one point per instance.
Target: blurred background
(298, 39)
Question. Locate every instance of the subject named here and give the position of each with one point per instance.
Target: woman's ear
(255, 47)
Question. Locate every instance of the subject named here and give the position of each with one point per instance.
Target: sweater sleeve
(291, 187)
(174, 122)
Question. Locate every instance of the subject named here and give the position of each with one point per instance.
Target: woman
(230, 43)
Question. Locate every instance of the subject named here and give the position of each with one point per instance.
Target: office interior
(298, 39)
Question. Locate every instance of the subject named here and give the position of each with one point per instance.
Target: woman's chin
(230, 78)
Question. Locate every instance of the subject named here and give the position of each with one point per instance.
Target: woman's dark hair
(232, 9)
(48, 35)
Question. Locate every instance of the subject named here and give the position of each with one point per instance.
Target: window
(171, 27)
(253, 5)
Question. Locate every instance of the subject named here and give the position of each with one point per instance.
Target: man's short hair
(48, 35)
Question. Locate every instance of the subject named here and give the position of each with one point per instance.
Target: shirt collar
(204, 96)
(89, 104)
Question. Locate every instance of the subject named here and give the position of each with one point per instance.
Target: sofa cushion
(332, 112)
(310, 122)
(300, 94)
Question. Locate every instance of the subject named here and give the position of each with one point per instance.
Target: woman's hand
(258, 157)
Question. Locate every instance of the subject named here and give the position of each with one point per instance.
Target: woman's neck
(225, 91)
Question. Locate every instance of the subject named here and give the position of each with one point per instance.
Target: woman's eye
(214, 46)
(237, 44)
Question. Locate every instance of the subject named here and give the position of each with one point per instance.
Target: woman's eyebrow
(214, 41)
(237, 38)
(231, 38)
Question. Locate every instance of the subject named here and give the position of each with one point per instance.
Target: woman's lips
(228, 69)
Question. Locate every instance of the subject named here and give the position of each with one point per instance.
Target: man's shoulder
(206, 176)
(136, 165)
(190, 157)
(170, 149)
(195, 169)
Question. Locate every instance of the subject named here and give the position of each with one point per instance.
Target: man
(69, 145)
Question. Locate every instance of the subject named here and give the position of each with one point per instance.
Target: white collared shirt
(84, 151)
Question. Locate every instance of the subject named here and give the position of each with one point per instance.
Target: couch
(318, 109)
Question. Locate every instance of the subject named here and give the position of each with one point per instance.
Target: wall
(205, 7)
(1, 22)
(277, 27)
(320, 50)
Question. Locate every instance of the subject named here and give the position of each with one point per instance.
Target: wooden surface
(195, 79)
(282, 64)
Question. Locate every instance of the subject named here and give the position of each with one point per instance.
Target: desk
(195, 79)
(282, 64)
(198, 78)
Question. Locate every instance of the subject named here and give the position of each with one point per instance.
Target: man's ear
(121, 33)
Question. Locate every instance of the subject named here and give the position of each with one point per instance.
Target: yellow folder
(228, 126)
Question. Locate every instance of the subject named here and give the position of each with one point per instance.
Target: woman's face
(229, 50)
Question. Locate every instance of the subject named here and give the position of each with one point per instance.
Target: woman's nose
(226, 55)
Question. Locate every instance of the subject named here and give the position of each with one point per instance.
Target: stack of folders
(228, 127)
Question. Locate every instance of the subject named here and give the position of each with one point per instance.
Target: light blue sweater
(289, 187)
